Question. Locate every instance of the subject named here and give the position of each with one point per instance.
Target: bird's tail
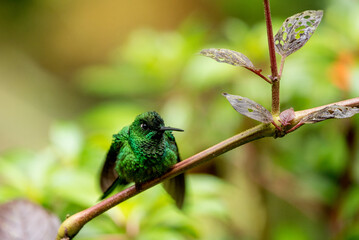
(176, 188)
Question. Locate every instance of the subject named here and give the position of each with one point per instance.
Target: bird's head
(150, 125)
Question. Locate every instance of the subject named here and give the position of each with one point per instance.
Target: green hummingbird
(142, 151)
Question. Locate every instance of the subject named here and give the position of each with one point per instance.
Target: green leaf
(228, 56)
(296, 31)
(249, 108)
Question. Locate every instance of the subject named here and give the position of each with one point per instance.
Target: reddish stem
(258, 72)
(270, 39)
(276, 126)
(295, 127)
(273, 61)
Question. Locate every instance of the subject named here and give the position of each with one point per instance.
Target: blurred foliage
(303, 186)
(19, 217)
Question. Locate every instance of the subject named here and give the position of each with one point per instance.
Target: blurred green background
(72, 73)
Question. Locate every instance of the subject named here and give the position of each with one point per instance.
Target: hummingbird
(144, 150)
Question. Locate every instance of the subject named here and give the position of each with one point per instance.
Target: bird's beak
(171, 129)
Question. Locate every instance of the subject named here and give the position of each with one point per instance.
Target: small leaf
(296, 31)
(228, 56)
(21, 219)
(334, 111)
(287, 116)
(249, 108)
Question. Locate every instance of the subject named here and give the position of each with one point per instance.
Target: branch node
(274, 79)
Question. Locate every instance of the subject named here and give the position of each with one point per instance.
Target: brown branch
(273, 61)
(258, 72)
(72, 225)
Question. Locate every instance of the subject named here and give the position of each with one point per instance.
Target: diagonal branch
(72, 225)
(258, 72)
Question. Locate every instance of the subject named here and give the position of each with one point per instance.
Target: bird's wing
(109, 177)
(176, 186)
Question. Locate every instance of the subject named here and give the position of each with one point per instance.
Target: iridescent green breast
(140, 160)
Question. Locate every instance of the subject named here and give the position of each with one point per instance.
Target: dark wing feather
(108, 173)
(176, 187)
(109, 177)
(111, 188)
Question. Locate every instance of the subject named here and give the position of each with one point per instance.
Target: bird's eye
(144, 126)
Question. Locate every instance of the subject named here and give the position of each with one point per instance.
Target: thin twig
(276, 126)
(258, 72)
(273, 61)
(295, 127)
(271, 48)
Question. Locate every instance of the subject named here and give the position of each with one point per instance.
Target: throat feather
(150, 150)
